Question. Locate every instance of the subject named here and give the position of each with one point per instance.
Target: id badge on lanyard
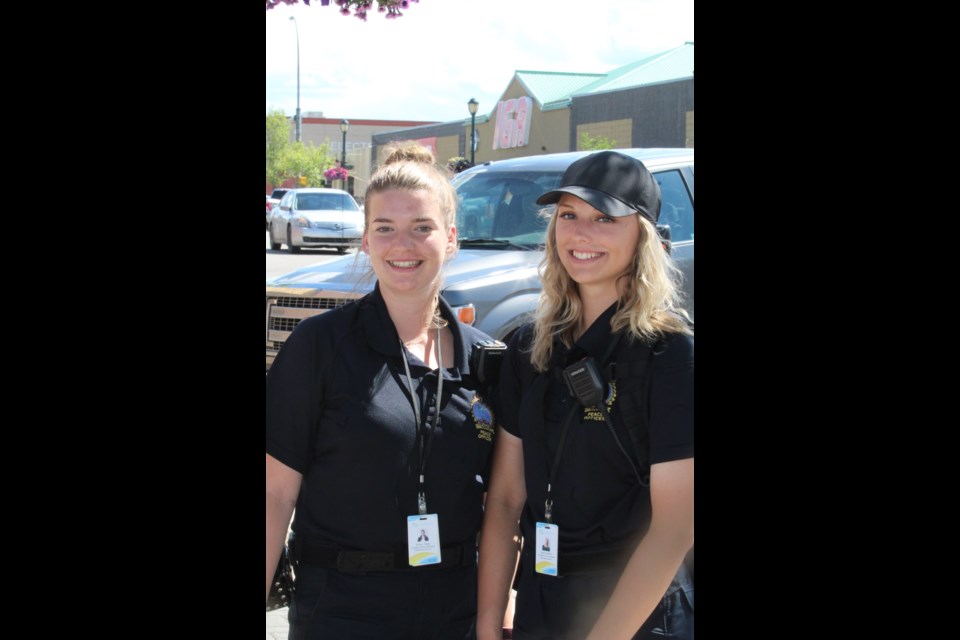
(547, 549)
(423, 529)
(423, 540)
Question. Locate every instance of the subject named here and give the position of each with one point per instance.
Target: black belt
(592, 562)
(318, 555)
(599, 562)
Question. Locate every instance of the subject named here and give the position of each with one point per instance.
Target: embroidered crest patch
(593, 414)
(482, 419)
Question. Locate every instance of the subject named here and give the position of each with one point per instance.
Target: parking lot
(281, 262)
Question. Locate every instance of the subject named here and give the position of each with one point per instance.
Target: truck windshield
(502, 206)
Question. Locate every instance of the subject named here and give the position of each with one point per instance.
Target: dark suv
(493, 281)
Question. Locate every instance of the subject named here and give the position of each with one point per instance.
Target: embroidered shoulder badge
(593, 414)
(482, 419)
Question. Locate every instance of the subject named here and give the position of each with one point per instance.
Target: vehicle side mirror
(665, 237)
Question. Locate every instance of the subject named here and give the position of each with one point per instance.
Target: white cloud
(429, 63)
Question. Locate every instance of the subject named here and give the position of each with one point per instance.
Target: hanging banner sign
(513, 123)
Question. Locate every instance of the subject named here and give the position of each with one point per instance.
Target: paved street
(277, 627)
(280, 262)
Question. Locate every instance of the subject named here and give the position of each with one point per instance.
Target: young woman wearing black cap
(595, 445)
(376, 434)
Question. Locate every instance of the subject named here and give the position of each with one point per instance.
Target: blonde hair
(408, 166)
(411, 167)
(649, 297)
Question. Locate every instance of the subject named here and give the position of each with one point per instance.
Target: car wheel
(290, 247)
(341, 250)
(274, 245)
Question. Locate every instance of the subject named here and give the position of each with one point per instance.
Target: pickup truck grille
(285, 312)
(311, 303)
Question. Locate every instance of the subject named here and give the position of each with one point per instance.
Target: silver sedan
(316, 218)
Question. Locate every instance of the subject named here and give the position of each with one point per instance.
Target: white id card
(423, 540)
(545, 553)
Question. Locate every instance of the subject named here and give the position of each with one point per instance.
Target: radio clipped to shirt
(485, 359)
(584, 382)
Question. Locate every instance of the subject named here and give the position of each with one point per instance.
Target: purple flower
(336, 173)
(360, 7)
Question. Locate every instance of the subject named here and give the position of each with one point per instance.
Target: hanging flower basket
(360, 7)
(458, 164)
(336, 173)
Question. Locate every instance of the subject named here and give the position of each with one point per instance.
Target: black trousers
(565, 608)
(426, 604)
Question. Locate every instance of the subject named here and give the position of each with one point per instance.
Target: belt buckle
(348, 561)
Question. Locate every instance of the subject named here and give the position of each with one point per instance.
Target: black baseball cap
(611, 182)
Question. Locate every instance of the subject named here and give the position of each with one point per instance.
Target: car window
(676, 208)
(502, 206)
(326, 201)
(285, 201)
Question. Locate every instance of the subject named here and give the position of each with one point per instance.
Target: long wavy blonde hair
(649, 303)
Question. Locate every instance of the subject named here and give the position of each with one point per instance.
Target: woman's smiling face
(407, 241)
(594, 248)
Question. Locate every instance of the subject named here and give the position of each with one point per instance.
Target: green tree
(287, 159)
(299, 159)
(278, 139)
(588, 143)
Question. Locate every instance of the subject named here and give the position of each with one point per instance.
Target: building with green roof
(647, 103)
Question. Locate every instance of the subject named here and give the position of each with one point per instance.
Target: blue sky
(427, 64)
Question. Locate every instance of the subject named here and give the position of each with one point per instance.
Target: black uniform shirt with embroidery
(598, 503)
(339, 412)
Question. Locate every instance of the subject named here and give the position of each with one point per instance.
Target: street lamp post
(299, 121)
(472, 105)
(344, 126)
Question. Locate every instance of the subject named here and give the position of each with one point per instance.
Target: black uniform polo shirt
(339, 411)
(598, 502)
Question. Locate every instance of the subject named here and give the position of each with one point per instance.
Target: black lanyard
(576, 406)
(424, 443)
